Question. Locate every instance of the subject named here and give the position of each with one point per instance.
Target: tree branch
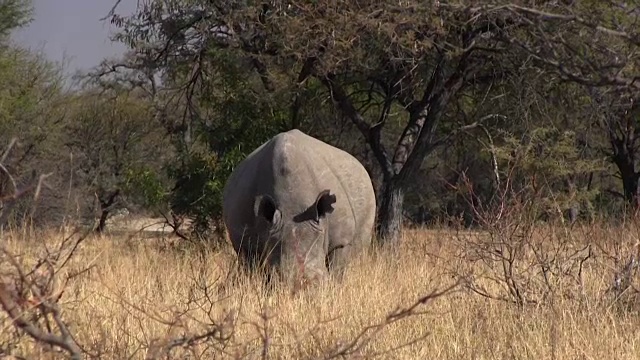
(33, 291)
(64, 341)
(371, 133)
(543, 15)
(604, 80)
(261, 69)
(112, 11)
(416, 123)
(430, 115)
(306, 71)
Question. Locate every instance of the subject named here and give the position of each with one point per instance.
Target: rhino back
(353, 219)
(240, 190)
(272, 169)
(294, 168)
(315, 166)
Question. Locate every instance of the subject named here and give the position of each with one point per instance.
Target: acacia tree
(411, 60)
(596, 45)
(112, 138)
(618, 115)
(13, 14)
(30, 88)
(392, 69)
(360, 54)
(212, 109)
(389, 49)
(32, 100)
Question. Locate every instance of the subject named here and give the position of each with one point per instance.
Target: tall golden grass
(130, 297)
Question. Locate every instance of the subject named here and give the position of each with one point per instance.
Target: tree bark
(389, 224)
(102, 223)
(105, 209)
(624, 158)
(630, 186)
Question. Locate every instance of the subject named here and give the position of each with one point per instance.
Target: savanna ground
(543, 292)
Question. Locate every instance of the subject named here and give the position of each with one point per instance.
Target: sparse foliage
(116, 145)
(13, 14)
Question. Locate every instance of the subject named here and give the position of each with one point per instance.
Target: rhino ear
(265, 207)
(324, 203)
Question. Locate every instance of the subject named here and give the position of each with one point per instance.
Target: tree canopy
(427, 95)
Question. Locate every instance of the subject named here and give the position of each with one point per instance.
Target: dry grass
(139, 295)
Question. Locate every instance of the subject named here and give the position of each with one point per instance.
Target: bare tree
(34, 292)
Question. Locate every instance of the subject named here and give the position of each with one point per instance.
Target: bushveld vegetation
(553, 293)
(501, 138)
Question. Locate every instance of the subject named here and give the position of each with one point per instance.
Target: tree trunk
(104, 214)
(630, 186)
(390, 213)
(625, 161)
(105, 208)
(572, 211)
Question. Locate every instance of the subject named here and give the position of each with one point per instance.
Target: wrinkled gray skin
(305, 206)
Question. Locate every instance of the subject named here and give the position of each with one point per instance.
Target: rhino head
(295, 242)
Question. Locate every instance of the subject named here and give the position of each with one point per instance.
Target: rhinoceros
(299, 206)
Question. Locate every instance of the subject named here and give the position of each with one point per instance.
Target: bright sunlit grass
(138, 295)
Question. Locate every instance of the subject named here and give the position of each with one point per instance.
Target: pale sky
(71, 31)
